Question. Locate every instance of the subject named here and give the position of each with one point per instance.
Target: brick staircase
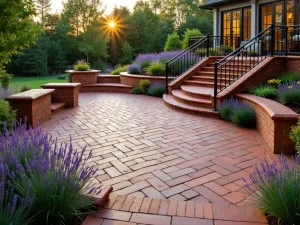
(195, 94)
(107, 83)
(57, 107)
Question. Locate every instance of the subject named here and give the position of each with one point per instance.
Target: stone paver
(144, 148)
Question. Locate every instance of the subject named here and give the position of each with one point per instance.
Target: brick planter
(67, 93)
(133, 80)
(274, 122)
(34, 104)
(84, 77)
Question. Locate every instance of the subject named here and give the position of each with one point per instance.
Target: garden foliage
(156, 68)
(134, 69)
(188, 34)
(7, 116)
(156, 90)
(295, 136)
(119, 69)
(264, 90)
(144, 85)
(81, 65)
(173, 43)
(274, 189)
(289, 93)
(55, 176)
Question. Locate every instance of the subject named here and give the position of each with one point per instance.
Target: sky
(57, 4)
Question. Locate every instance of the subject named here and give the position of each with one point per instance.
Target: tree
(127, 53)
(80, 14)
(188, 34)
(205, 25)
(173, 42)
(18, 29)
(43, 7)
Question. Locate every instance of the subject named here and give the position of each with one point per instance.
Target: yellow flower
(298, 82)
(290, 86)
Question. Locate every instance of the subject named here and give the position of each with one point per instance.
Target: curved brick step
(107, 87)
(133, 210)
(202, 83)
(173, 103)
(57, 106)
(196, 91)
(197, 101)
(209, 78)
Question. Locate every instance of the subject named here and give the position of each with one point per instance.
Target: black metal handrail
(204, 47)
(243, 59)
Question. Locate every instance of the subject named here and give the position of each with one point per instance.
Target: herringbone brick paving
(143, 148)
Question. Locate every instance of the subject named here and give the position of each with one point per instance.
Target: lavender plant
(275, 190)
(57, 174)
(226, 108)
(243, 115)
(6, 92)
(289, 93)
(134, 69)
(156, 90)
(13, 209)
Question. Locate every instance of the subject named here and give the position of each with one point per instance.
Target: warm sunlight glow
(112, 24)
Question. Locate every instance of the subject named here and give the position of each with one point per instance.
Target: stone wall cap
(61, 85)
(88, 71)
(30, 95)
(276, 110)
(142, 76)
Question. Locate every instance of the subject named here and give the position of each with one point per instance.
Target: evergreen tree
(127, 52)
(43, 8)
(173, 42)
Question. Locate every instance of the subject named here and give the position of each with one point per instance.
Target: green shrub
(266, 91)
(119, 69)
(5, 78)
(188, 34)
(290, 76)
(25, 88)
(137, 91)
(144, 85)
(295, 136)
(244, 116)
(156, 68)
(63, 77)
(289, 93)
(156, 90)
(7, 116)
(225, 49)
(173, 42)
(127, 54)
(274, 189)
(81, 65)
(225, 112)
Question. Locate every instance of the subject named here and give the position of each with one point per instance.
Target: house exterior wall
(253, 4)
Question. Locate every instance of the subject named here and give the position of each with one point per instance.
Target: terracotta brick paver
(143, 148)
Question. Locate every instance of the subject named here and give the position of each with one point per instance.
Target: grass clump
(289, 93)
(119, 69)
(144, 85)
(289, 77)
(156, 68)
(137, 91)
(266, 91)
(81, 65)
(25, 88)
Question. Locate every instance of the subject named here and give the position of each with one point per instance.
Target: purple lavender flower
(134, 69)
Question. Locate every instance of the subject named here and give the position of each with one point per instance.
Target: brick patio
(145, 149)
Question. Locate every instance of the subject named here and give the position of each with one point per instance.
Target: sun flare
(112, 24)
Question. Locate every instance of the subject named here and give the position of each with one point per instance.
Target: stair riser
(206, 114)
(206, 79)
(206, 97)
(209, 69)
(211, 85)
(190, 102)
(236, 65)
(106, 89)
(219, 74)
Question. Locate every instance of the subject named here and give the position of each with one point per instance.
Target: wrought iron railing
(287, 40)
(202, 48)
(243, 59)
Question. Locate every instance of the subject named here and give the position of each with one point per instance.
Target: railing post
(272, 39)
(167, 82)
(286, 40)
(215, 86)
(207, 45)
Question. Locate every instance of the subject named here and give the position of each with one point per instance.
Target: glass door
(231, 31)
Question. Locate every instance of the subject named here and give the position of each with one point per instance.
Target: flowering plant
(289, 93)
(275, 189)
(56, 175)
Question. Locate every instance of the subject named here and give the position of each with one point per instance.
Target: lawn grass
(35, 82)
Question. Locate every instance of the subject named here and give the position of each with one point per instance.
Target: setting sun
(112, 24)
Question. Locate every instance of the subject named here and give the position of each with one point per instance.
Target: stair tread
(57, 105)
(201, 82)
(108, 85)
(180, 94)
(211, 78)
(172, 101)
(198, 90)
